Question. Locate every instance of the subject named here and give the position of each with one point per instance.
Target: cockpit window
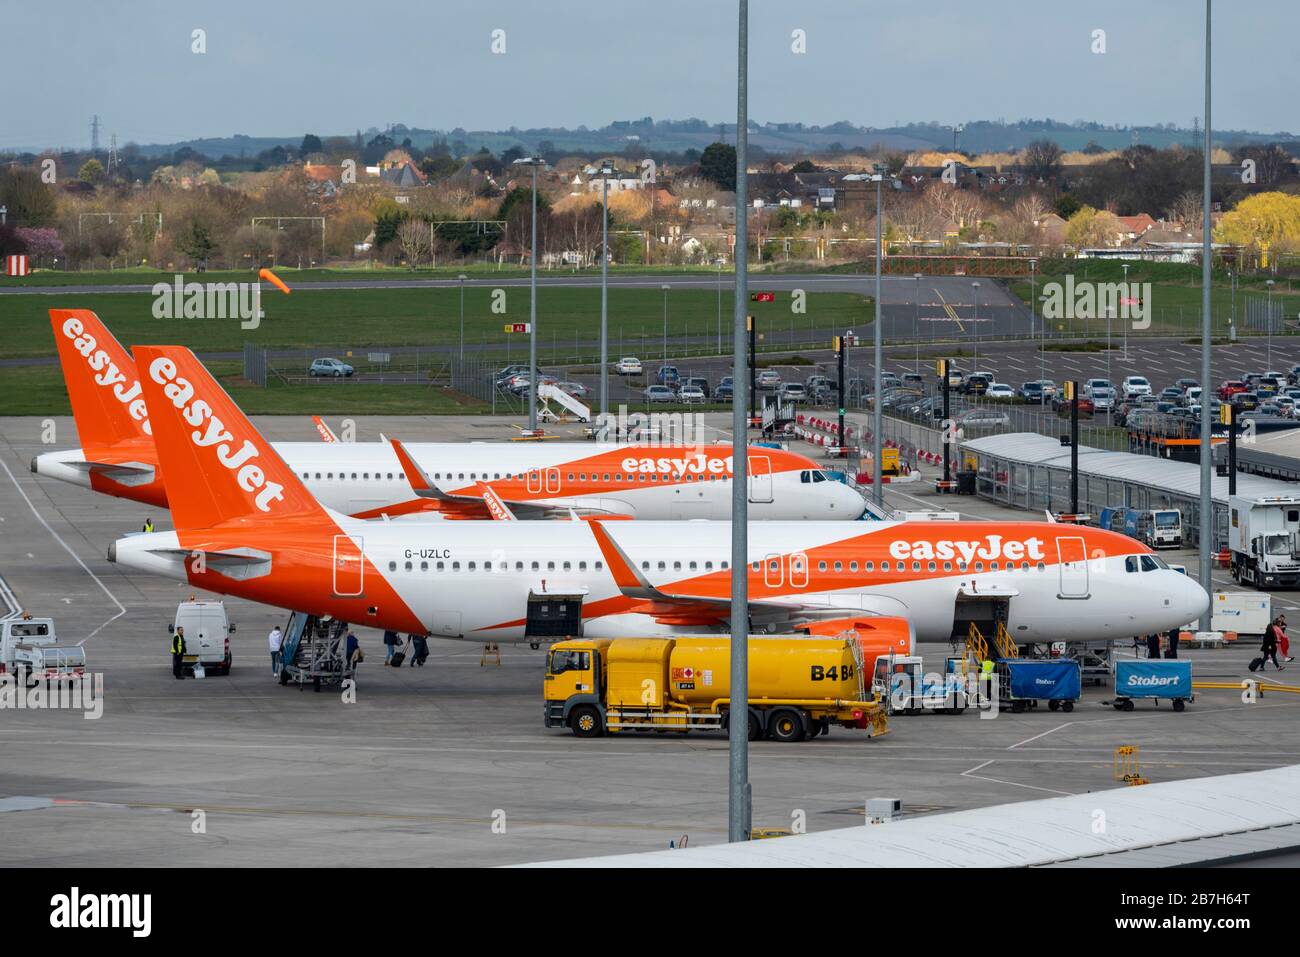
(1149, 563)
(1131, 564)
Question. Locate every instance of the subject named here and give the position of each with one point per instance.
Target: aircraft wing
(676, 609)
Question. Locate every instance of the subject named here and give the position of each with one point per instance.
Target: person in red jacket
(1283, 642)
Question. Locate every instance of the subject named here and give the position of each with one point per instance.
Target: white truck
(29, 648)
(207, 635)
(1264, 540)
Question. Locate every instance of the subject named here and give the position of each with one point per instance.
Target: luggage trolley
(1023, 682)
(1154, 678)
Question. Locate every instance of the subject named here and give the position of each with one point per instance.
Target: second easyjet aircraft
(453, 480)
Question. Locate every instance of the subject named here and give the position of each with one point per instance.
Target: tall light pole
(605, 172)
(534, 162)
(975, 325)
(916, 321)
(665, 287)
(1124, 266)
(719, 308)
(1268, 361)
(877, 420)
(462, 277)
(738, 791)
(1042, 333)
(1207, 502)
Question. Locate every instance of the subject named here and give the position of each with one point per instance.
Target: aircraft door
(1073, 556)
(773, 572)
(798, 570)
(349, 567)
(760, 478)
(534, 480)
(553, 481)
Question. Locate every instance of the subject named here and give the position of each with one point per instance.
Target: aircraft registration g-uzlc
(448, 480)
(246, 526)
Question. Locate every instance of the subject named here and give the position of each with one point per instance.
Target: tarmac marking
(121, 609)
(1037, 736)
(1014, 784)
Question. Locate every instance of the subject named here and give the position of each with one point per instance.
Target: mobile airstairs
(567, 405)
(314, 651)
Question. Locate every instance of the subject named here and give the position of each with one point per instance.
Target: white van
(207, 634)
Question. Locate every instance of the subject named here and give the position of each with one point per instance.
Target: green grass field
(330, 320)
(1175, 296)
(40, 391)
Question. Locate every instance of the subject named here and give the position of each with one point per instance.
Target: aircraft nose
(1193, 600)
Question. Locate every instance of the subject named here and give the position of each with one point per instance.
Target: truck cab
(1264, 540)
(207, 635)
(575, 681)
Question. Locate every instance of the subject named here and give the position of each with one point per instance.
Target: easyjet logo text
(696, 464)
(211, 432)
(106, 373)
(993, 547)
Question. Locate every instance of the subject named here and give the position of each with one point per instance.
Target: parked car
(725, 390)
(1244, 401)
(330, 367)
(1038, 391)
(509, 371)
(914, 379)
(1192, 396)
(1135, 385)
(999, 390)
(519, 385)
(977, 383)
(696, 382)
(792, 392)
(1084, 403)
(1172, 394)
(575, 389)
(768, 379)
(1103, 399)
(667, 375)
(983, 419)
(628, 365)
(1186, 384)
(660, 393)
(691, 395)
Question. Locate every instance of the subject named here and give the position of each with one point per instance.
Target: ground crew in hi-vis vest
(178, 653)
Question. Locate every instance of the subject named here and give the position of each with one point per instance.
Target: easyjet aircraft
(246, 526)
(451, 480)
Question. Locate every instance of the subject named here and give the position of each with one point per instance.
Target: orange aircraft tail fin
(218, 467)
(103, 385)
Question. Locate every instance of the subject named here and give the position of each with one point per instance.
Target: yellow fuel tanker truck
(798, 686)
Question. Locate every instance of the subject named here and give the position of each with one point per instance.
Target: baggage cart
(1023, 682)
(1168, 678)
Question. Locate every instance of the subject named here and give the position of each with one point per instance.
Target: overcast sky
(286, 67)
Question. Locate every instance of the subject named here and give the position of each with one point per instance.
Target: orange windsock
(273, 279)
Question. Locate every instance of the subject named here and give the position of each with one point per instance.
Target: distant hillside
(677, 136)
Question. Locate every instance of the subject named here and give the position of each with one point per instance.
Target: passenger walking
(274, 640)
(1283, 642)
(1172, 650)
(1153, 645)
(178, 653)
(419, 650)
(1268, 648)
(390, 645)
(353, 653)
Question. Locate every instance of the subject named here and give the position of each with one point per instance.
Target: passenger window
(424, 566)
(470, 567)
(869, 566)
(392, 566)
(536, 566)
(567, 566)
(455, 566)
(408, 566)
(821, 566)
(839, 566)
(931, 566)
(853, 566)
(662, 566)
(440, 566)
(677, 566)
(550, 566)
(582, 566)
(884, 566)
(519, 566)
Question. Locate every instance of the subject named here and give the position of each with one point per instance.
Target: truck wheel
(585, 721)
(785, 724)
(755, 728)
(1179, 704)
